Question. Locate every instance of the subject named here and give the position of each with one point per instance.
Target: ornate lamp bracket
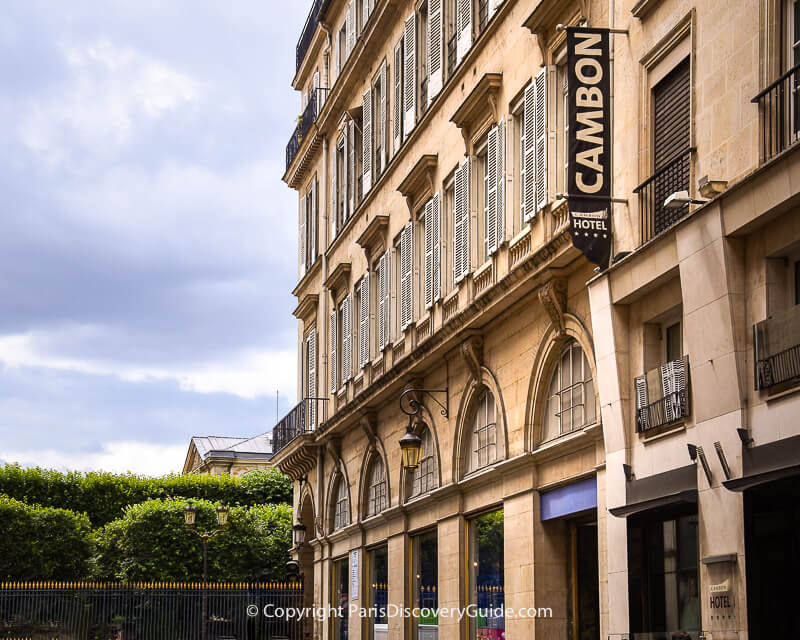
(411, 406)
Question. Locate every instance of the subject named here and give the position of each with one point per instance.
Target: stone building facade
(617, 447)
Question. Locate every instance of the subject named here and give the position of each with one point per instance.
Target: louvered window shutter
(541, 139)
(501, 182)
(529, 152)
(387, 296)
(351, 28)
(436, 210)
(312, 224)
(382, 309)
(458, 219)
(363, 330)
(302, 243)
(315, 93)
(642, 417)
(334, 193)
(491, 196)
(465, 222)
(351, 171)
(345, 186)
(311, 372)
(464, 29)
(382, 116)
(347, 338)
(406, 276)
(364, 13)
(333, 365)
(673, 380)
(409, 75)
(398, 96)
(435, 48)
(429, 242)
(366, 140)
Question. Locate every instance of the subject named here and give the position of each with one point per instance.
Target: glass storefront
(663, 576)
(486, 576)
(378, 592)
(425, 552)
(340, 598)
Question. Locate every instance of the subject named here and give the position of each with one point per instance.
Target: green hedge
(104, 496)
(150, 543)
(42, 543)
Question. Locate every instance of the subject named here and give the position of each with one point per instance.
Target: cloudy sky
(147, 244)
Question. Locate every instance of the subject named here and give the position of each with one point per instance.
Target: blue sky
(147, 250)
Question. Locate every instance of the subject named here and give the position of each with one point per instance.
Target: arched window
(570, 400)
(425, 476)
(483, 445)
(341, 505)
(376, 487)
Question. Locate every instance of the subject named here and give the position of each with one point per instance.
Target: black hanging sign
(589, 147)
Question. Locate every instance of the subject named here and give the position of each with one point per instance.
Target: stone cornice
(338, 278)
(373, 239)
(478, 108)
(418, 185)
(306, 307)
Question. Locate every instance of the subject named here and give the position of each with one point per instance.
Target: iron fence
(303, 418)
(309, 117)
(776, 347)
(671, 408)
(654, 217)
(148, 611)
(780, 114)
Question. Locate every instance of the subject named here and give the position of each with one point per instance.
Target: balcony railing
(309, 117)
(305, 417)
(654, 217)
(776, 346)
(662, 395)
(308, 32)
(780, 114)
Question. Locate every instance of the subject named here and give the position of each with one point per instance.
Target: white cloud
(250, 374)
(110, 92)
(117, 457)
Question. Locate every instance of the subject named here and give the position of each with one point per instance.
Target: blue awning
(572, 498)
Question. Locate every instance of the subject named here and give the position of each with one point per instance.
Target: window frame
(486, 429)
(556, 370)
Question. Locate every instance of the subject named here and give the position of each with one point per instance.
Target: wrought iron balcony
(304, 418)
(776, 347)
(662, 395)
(308, 32)
(309, 117)
(780, 114)
(654, 217)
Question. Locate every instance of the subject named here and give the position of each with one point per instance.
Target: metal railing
(305, 417)
(654, 217)
(148, 611)
(671, 408)
(780, 114)
(308, 32)
(304, 123)
(776, 348)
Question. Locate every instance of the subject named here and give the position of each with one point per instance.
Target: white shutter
(333, 365)
(673, 380)
(311, 373)
(302, 243)
(465, 214)
(642, 417)
(541, 140)
(363, 328)
(334, 193)
(429, 250)
(315, 92)
(312, 223)
(529, 151)
(351, 28)
(364, 13)
(407, 276)
(501, 183)
(458, 217)
(347, 338)
(491, 196)
(383, 310)
(463, 29)
(382, 116)
(436, 210)
(398, 96)
(366, 140)
(435, 48)
(409, 75)
(351, 171)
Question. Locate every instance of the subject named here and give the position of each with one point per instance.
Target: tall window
(378, 562)
(484, 432)
(341, 505)
(425, 553)
(340, 598)
(376, 487)
(486, 570)
(425, 476)
(571, 400)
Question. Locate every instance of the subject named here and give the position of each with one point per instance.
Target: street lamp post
(189, 517)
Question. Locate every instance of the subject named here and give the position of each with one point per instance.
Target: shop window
(486, 576)
(376, 487)
(425, 476)
(663, 577)
(378, 560)
(571, 399)
(483, 449)
(425, 552)
(340, 598)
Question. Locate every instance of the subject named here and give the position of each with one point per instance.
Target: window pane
(487, 576)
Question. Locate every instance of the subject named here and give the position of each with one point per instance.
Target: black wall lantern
(411, 443)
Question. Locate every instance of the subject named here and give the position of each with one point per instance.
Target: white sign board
(354, 574)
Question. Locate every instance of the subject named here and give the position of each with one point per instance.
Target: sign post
(589, 145)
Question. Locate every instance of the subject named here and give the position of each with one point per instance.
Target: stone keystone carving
(553, 296)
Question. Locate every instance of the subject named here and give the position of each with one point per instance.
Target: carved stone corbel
(553, 296)
(369, 425)
(472, 352)
(333, 446)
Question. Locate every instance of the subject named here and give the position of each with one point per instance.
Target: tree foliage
(103, 497)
